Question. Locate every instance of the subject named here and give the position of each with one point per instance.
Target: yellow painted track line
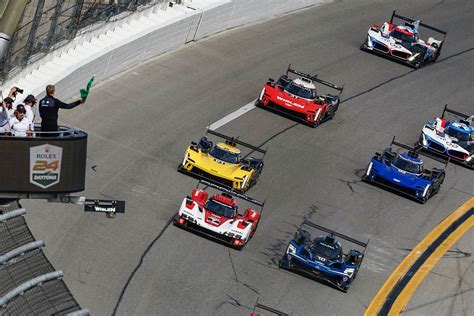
(421, 274)
(408, 261)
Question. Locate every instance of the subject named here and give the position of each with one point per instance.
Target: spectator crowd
(20, 120)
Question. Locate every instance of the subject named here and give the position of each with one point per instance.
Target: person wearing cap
(48, 109)
(29, 103)
(19, 125)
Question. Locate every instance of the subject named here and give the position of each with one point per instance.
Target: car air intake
(401, 54)
(457, 154)
(380, 47)
(437, 147)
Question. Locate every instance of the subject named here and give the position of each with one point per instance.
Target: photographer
(48, 109)
(10, 99)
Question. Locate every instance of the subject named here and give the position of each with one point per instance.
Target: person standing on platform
(48, 110)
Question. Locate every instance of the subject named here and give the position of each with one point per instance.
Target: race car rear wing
(232, 192)
(236, 141)
(446, 109)
(314, 78)
(342, 236)
(409, 20)
(418, 151)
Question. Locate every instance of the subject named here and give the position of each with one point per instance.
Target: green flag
(85, 92)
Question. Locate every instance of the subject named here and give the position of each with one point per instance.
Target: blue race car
(323, 258)
(405, 173)
(453, 139)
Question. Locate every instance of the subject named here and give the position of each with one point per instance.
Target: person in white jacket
(19, 125)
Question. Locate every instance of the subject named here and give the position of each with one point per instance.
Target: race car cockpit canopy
(408, 163)
(303, 88)
(327, 246)
(222, 206)
(460, 131)
(226, 153)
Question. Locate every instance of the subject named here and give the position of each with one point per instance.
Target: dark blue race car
(405, 172)
(322, 257)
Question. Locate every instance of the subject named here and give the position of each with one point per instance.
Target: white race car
(401, 42)
(450, 139)
(217, 216)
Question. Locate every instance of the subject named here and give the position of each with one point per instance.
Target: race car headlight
(369, 168)
(369, 41)
(291, 249)
(186, 156)
(426, 190)
(246, 177)
(412, 58)
(469, 158)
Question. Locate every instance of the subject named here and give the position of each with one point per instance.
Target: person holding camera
(48, 109)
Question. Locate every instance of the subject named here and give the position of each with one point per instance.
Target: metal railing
(49, 24)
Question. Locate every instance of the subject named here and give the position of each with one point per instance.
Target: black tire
(440, 182)
(335, 110)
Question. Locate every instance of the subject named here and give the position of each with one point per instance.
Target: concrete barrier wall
(200, 19)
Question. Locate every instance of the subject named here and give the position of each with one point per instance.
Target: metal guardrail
(63, 132)
(47, 25)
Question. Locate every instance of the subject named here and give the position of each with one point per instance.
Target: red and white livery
(217, 216)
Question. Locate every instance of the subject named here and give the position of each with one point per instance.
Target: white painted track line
(232, 116)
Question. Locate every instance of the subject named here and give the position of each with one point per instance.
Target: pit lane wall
(140, 37)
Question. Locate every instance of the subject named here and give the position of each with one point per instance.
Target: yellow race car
(222, 162)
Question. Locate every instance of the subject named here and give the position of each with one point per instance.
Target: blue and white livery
(453, 139)
(405, 173)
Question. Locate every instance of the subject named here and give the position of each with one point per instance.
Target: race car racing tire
(334, 111)
(363, 46)
(440, 182)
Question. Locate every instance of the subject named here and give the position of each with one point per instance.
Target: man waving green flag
(85, 92)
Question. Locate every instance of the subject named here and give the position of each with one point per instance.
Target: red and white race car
(218, 217)
(298, 98)
(401, 41)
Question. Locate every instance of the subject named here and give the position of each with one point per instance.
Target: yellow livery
(222, 162)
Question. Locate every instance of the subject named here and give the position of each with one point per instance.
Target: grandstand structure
(30, 285)
(46, 25)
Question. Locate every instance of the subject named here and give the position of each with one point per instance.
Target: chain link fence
(48, 24)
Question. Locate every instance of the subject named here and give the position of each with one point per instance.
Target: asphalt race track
(140, 123)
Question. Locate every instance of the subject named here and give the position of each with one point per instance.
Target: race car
(401, 41)
(217, 216)
(322, 257)
(298, 98)
(453, 139)
(405, 173)
(222, 162)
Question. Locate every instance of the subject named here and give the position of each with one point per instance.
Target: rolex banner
(45, 165)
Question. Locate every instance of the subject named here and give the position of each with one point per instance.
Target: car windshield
(405, 38)
(219, 208)
(324, 249)
(453, 132)
(301, 91)
(407, 165)
(224, 155)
